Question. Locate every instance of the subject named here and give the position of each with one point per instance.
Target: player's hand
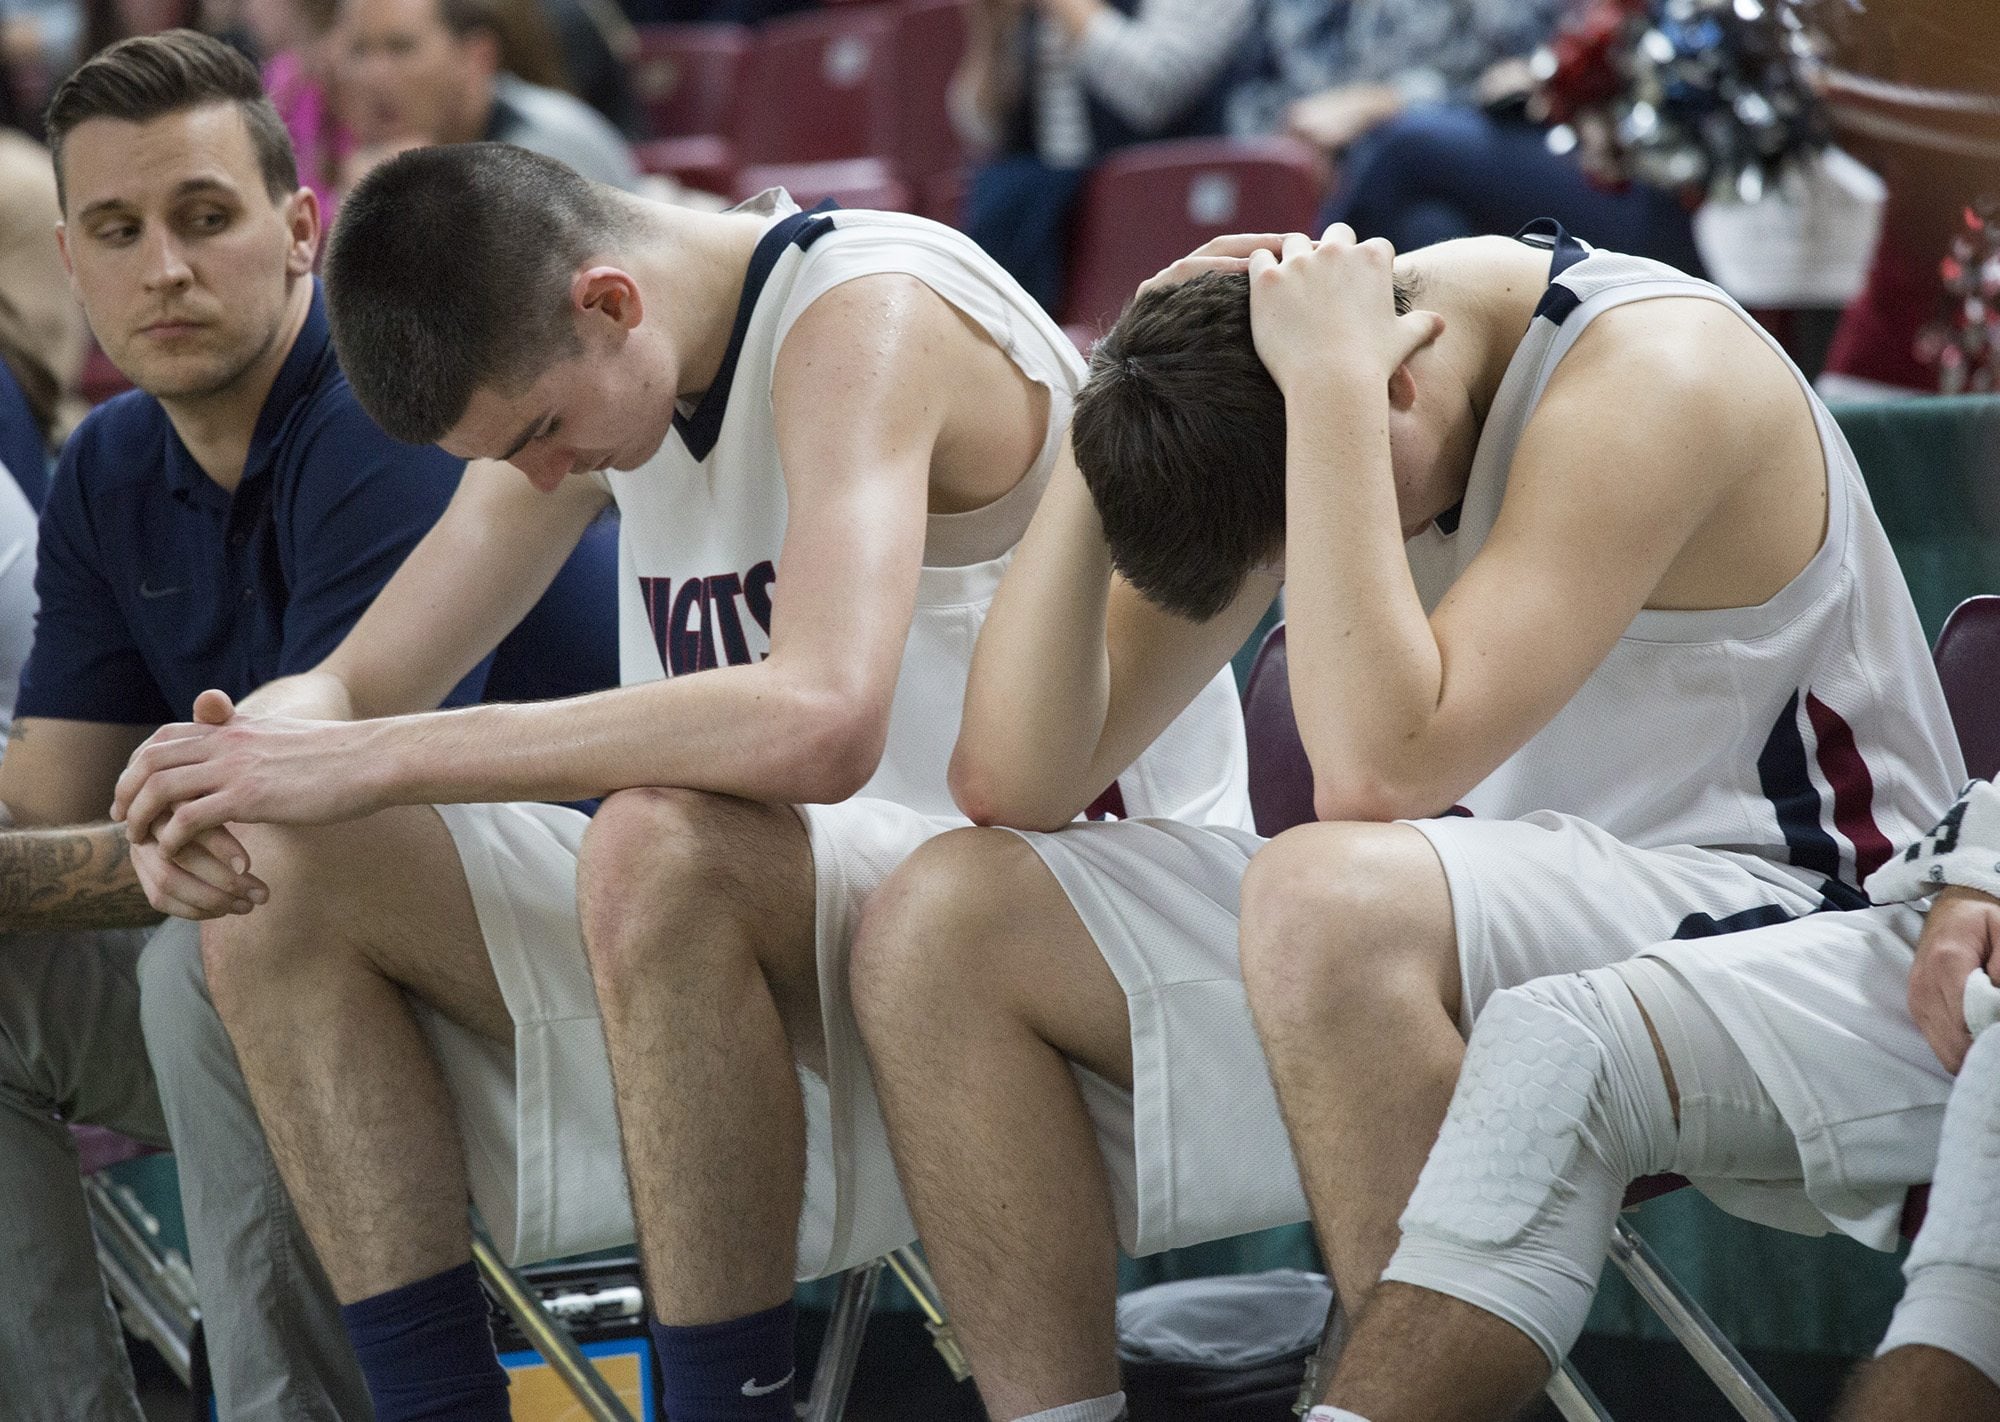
(1323, 315)
(1959, 938)
(203, 882)
(226, 768)
(1220, 254)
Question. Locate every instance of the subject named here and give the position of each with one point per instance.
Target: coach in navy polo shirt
(225, 524)
(158, 582)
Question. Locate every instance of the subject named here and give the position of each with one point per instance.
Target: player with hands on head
(1588, 625)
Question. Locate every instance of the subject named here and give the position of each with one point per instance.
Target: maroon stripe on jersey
(1853, 788)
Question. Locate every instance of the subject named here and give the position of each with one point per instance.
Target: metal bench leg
(151, 1284)
(1573, 1398)
(909, 1266)
(841, 1351)
(1319, 1367)
(548, 1336)
(1685, 1319)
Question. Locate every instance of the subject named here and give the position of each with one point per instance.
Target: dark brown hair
(150, 76)
(449, 271)
(1180, 435)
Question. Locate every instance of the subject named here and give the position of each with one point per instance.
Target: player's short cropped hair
(449, 272)
(150, 76)
(1180, 435)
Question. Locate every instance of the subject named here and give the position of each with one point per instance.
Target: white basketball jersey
(1809, 731)
(703, 522)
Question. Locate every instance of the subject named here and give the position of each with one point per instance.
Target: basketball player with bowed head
(824, 434)
(1594, 642)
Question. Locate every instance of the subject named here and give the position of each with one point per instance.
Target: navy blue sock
(739, 1371)
(427, 1352)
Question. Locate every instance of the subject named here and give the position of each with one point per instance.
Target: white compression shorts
(1561, 1105)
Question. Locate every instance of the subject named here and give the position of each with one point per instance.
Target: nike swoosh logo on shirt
(752, 1389)
(149, 593)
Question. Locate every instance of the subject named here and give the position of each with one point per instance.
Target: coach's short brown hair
(1180, 435)
(150, 76)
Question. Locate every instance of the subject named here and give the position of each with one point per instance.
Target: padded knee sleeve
(1952, 1299)
(1559, 1106)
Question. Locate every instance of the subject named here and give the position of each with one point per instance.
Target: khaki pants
(74, 1040)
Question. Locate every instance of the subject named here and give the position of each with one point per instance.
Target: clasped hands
(190, 781)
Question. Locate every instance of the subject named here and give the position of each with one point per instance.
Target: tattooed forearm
(70, 878)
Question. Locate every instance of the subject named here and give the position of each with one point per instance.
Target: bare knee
(1339, 918)
(672, 880)
(932, 928)
(303, 867)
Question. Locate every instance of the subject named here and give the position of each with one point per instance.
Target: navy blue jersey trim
(1834, 897)
(700, 430)
(1564, 252)
(1838, 897)
(1786, 780)
(1703, 925)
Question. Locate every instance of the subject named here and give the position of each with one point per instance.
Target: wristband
(1963, 850)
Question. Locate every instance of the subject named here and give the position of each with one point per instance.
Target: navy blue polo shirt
(156, 584)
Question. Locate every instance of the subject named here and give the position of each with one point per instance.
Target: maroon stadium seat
(1968, 663)
(851, 182)
(819, 84)
(686, 77)
(1281, 781)
(930, 38)
(1147, 205)
(706, 161)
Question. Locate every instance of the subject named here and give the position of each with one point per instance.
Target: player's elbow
(987, 795)
(835, 745)
(1352, 792)
(1351, 801)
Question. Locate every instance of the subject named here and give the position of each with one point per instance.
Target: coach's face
(608, 403)
(180, 255)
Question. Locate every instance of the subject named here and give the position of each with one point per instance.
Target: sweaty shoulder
(878, 326)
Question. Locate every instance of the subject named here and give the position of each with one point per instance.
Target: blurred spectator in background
(1421, 107)
(40, 34)
(416, 72)
(599, 47)
(296, 43)
(1050, 86)
(43, 338)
